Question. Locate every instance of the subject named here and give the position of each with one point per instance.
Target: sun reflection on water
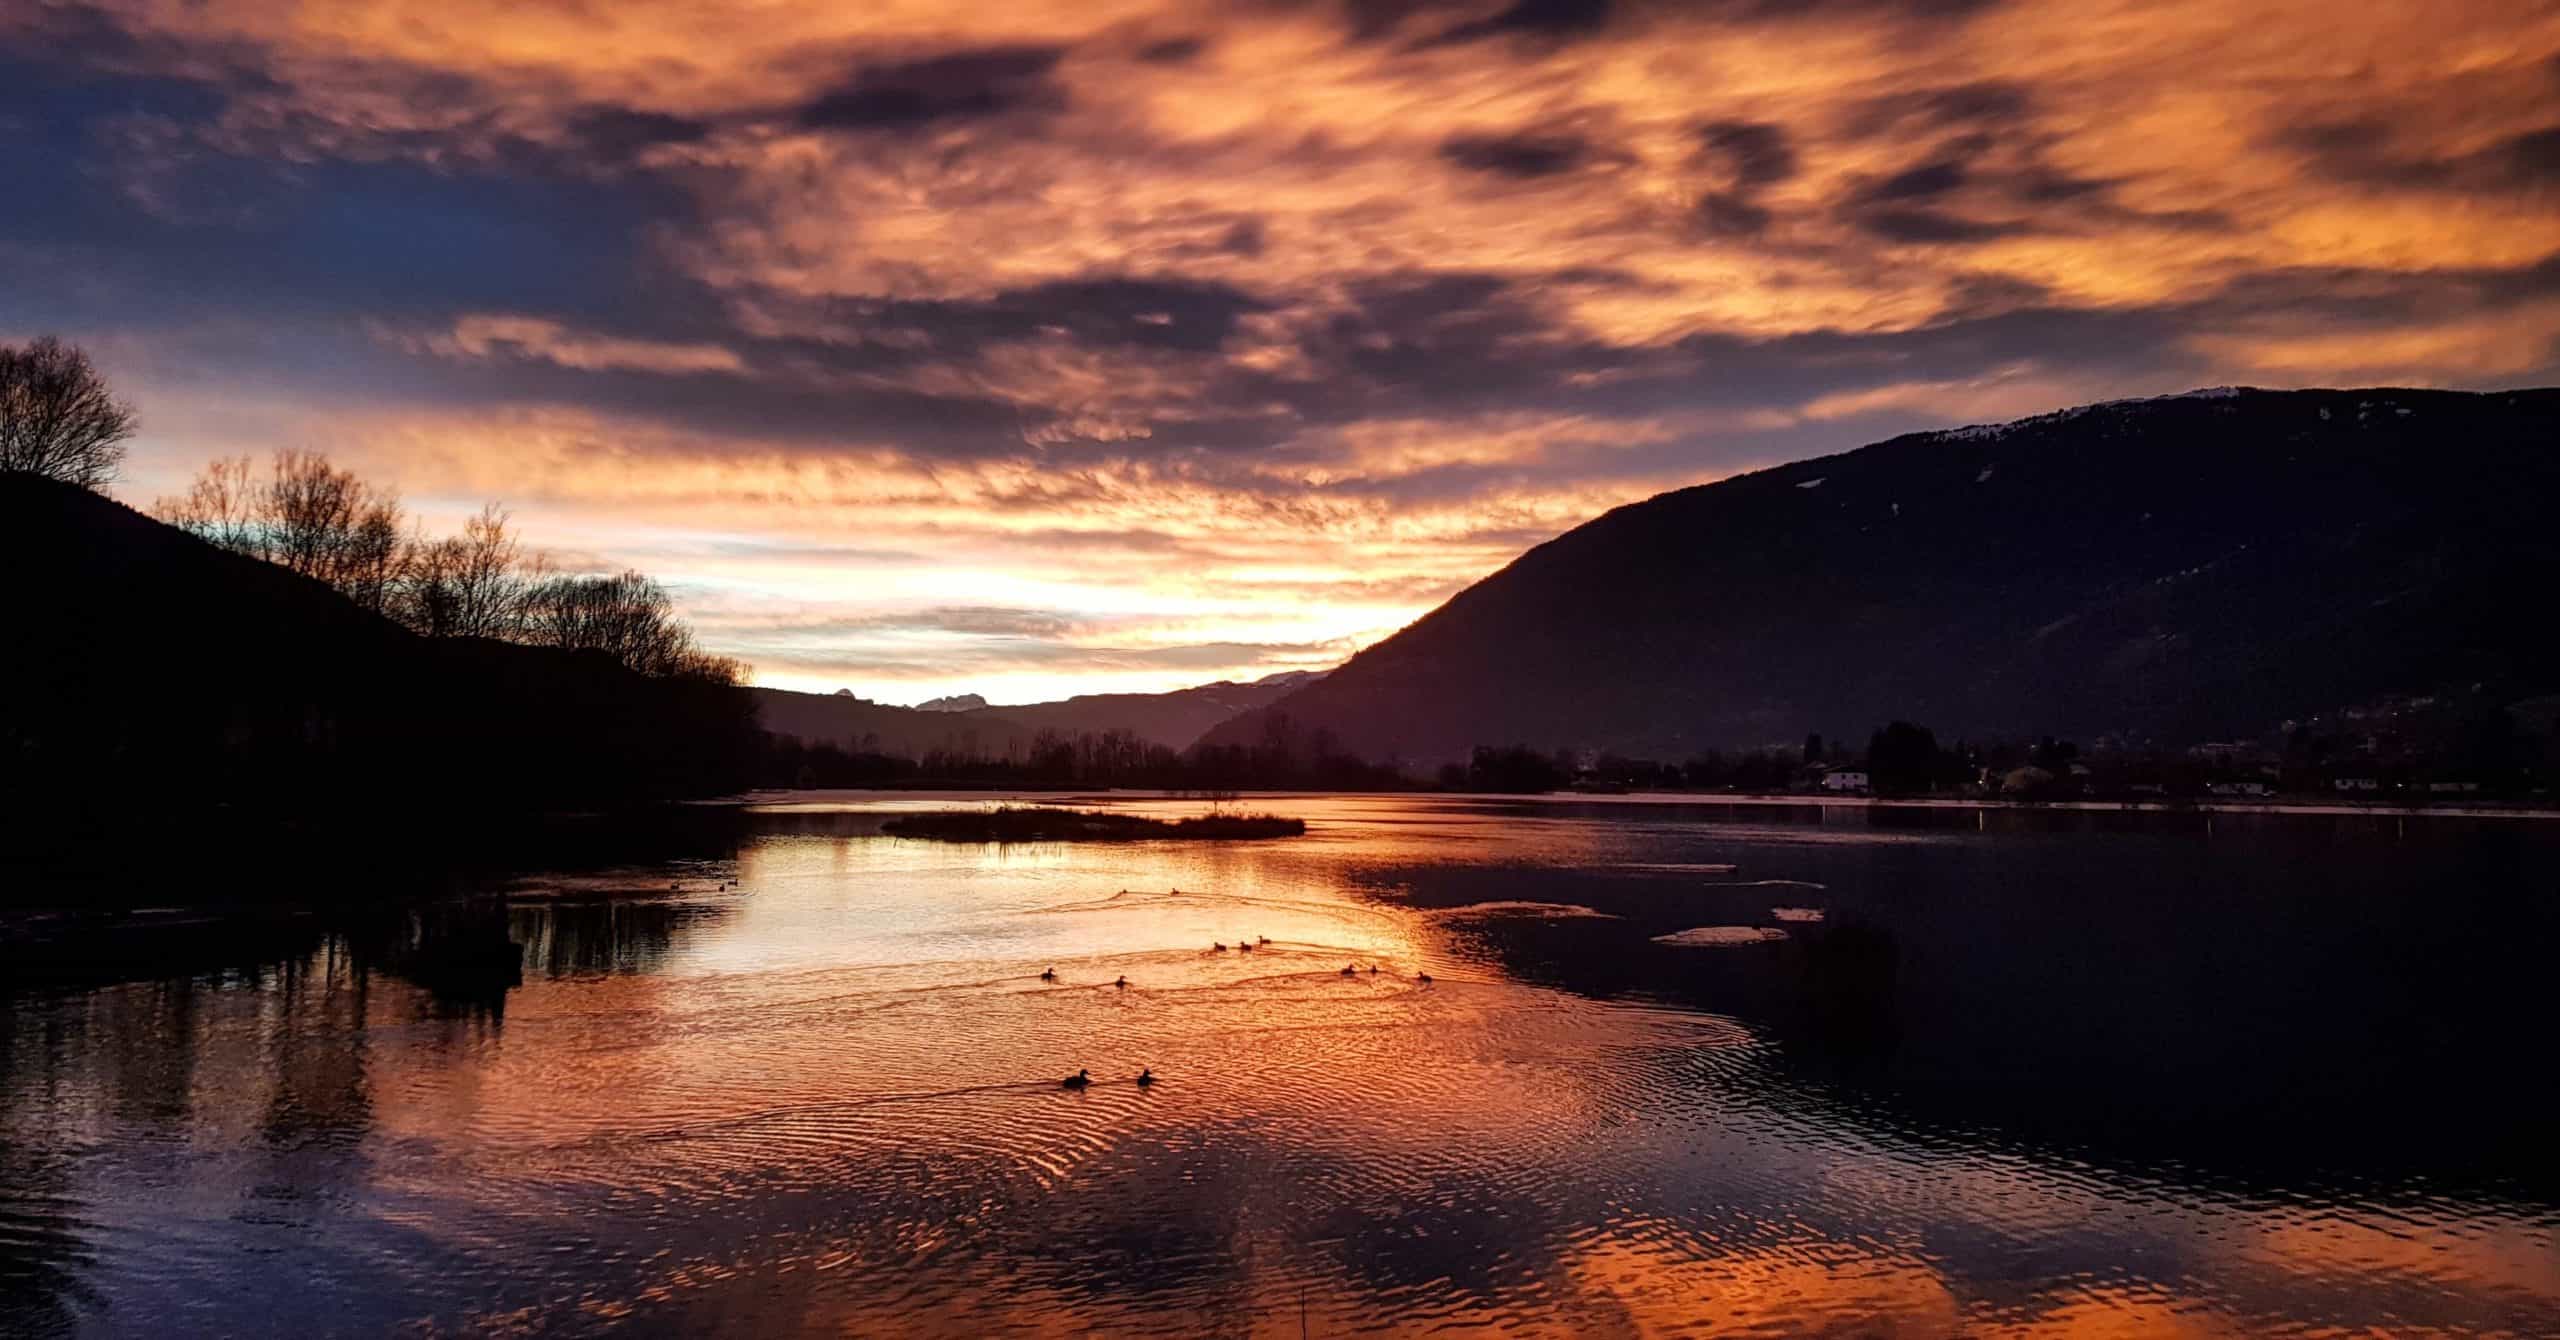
(813, 1086)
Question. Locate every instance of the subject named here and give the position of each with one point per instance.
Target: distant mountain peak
(958, 702)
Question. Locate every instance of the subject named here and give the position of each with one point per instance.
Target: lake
(1677, 1070)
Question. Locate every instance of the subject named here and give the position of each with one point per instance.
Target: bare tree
(308, 516)
(57, 418)
(221, 507)
(469, 585)
(324, 522)
(627, 616)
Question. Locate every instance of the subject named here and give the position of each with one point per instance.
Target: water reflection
(2073, 1076)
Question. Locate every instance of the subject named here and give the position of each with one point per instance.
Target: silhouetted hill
(153, 682)
(1173, 719)
(2185, 568)
(858, 725)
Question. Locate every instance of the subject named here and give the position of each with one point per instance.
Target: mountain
(155, 680)
(860, 725)
(1172, 720)
(2183, 568)
(958, 702)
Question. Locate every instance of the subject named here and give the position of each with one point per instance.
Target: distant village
(2419, 750)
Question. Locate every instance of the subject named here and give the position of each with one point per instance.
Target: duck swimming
(1349, 971)
(1245, 945)
(1123, 983)
(1217, 946)
(1373, 969)
(1075, 1081)
(1146, 1077)
(1048, 974)
(1423, 977)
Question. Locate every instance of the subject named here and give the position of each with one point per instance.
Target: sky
(1042, 348)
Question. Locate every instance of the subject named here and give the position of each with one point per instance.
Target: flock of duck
(1147, 1076)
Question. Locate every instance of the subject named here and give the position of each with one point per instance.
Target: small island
(1039, 823)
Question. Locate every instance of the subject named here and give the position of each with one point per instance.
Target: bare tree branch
(57, 418)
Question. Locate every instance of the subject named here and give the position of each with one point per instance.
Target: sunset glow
(1064, 347)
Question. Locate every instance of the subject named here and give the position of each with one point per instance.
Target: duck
(1123, 983)
(1217, 946)
(1373, 969)
(1048, 974)
(1262, 939)
(1145, 1077)
(1245, 945)
(1349, 971)
(1075, 1081)
(1423, 977)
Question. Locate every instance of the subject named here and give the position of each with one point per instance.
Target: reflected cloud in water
(2013, 1083)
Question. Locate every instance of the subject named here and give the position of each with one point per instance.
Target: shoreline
(1773, 800)
(2312, 808)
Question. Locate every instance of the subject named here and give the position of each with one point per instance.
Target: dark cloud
(1977, 186)
(1742, 158)
(1933, 225)
(168, 228)
(1919, 183)
(1899, 208)
(2534, 156)
(1172, 51)
(1731, 214)
(1753, 153)
(619, 132)
(2044, 186)
(2368, 151)
(1242, 238)
(1522, 155)
(1539, 20)
(976, 620)
(962, 85)
(1551, 19)
(1987, 104)
(2360, 151)
(1162, 314)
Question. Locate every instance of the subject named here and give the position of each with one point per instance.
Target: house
(1844, 779)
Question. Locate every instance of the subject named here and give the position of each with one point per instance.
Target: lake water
(2025, 1075)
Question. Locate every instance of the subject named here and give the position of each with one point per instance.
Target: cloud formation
(1262, 328)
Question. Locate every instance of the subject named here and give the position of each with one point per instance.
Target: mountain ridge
(2175, 567)
(1174, 720)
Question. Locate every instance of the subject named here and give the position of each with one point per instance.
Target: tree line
(307, 515)
(59, 420)
(1114, 758)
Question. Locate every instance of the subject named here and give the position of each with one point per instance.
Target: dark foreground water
(2024, 1075)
